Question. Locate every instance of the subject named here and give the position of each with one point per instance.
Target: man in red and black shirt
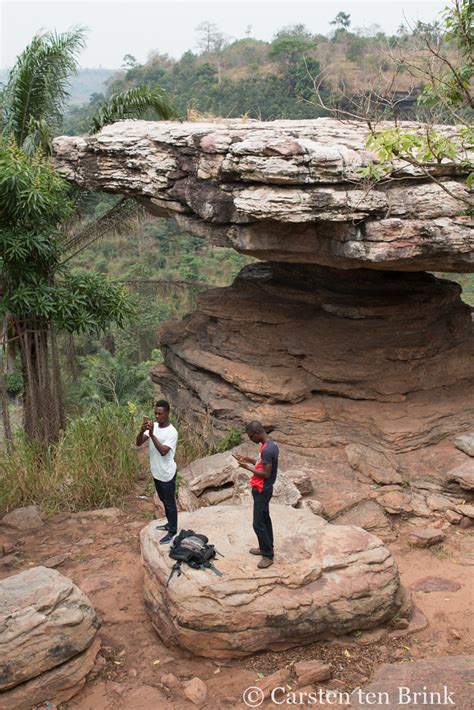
(264, 470)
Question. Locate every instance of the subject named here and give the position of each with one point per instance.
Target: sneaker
(265, 562)
(163, 527)
(166, 539)
(255, 551)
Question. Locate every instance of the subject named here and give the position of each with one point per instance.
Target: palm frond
(134, 103)
(114, 220)
(37, 88)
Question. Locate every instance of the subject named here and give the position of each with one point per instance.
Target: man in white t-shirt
(162, 439)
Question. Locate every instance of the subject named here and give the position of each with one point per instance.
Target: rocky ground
(100, 552)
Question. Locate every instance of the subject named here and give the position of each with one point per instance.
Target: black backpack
(194, 549)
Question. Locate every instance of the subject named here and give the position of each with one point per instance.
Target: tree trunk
(7, 429)
(42, 404)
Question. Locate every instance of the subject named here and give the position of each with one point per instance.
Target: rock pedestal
(325, 357)
(326, 580)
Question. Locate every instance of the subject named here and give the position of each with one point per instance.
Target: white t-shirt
(163, 468)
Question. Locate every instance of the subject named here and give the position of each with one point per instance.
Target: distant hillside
(86, 83)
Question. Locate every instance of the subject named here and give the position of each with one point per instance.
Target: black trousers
(262, 523)
(167, 494)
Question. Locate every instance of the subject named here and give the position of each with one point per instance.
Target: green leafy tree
(40, 294)
(342, 21)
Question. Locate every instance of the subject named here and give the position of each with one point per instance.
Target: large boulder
(326, 579)
(46, 622)
(218, 478)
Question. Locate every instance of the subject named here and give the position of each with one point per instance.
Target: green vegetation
(94, 464)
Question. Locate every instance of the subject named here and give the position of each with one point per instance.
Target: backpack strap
(209, 565)
(175, 568)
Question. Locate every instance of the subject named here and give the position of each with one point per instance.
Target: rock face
(46, 622)
(331, 580)
(271, 190)
(326, 357)
(218, 478)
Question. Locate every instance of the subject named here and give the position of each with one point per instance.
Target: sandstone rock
(284, 491)
(349, 377)
(55, 561)
(465, 442)
(380, 467)
(44, 621)
(240, 184)
(368, 515)
(301, 479)
(315, 507)
(466, 510)
(463, 474)
(331, 567)
(10, 561)
(308, 672)
(57, 685)
(453, 675)
(453, 517)
(196, 691)
(435, 584)
(466, 522)
(24, 519)
(425, 537)
(396, 502)
(275, 680)
(437, 502)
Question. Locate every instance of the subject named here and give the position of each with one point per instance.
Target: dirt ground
(102, 556)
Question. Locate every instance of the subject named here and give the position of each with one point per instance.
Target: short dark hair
(163, 403)
(255, 427)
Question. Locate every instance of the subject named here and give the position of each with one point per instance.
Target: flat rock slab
(447, 681)
(425, 537)
(332, 579)
(435, 584)
(44, 621)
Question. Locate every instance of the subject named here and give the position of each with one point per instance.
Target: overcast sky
(119, 27)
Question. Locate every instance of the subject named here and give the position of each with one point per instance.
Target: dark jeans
(262, 523)
(167, 494)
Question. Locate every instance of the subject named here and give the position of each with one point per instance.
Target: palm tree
(32, 107)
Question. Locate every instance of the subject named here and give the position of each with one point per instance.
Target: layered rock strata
(331, 580)
(340, 338)
(48, 639)
(287, 191)
(326, 357)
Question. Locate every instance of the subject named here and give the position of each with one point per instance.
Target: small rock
(275, 680)
(8, 547)
(463, 475)
(24, 519)
(437, 502)
(400, 623)
(309, 672)
(315, 506)
(395, 502)
(466, 522)
(196, 691)
(366, 638)
(10, 561)
(426, 537)
(55, 561)
(453, 517)
(86, 541)
(440, 524)
(467, 510)
(302, 481)
(399, 653)
(465, 442)
(454, 633)
(435, 584)
(169, 680)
